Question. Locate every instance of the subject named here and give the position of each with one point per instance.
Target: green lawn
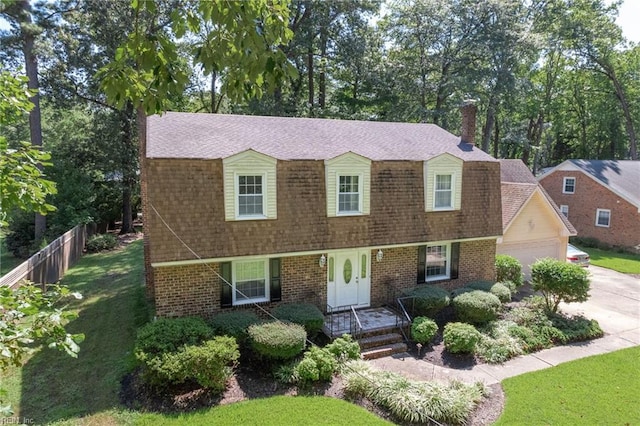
(599, 390)
(622, 262)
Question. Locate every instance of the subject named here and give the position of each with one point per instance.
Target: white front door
(349, 281)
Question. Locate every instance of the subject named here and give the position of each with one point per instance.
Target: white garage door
(527, 253)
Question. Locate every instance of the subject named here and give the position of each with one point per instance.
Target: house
(335, 213)
(533, 227)
(601, 198)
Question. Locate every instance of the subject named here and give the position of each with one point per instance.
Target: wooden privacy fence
(49, 264)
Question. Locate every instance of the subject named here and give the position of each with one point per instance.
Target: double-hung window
(438, 262)
(250, 282)
(569, 185)
(603, 217)
(443, 192)
(250, 196)
(349, 194)
(564, 209)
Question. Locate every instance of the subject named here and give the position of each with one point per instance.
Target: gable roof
(212, 136)
(517, 187)
(620, 176)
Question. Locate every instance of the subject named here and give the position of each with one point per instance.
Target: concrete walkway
(614, 303)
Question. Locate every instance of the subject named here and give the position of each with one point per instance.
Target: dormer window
(348, 184)
(443, 183)
(443, 192)
(250, 196)
(349, 194)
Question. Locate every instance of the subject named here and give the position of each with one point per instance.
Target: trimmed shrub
(277, 340)
(576, 328)
(307, 315)
(508, 268)
(476, 307)
(501, 291)
(169, 335)
(513, 288)
(429, 300)
(496, 342)
(559, 281)
(234, 324)
(458, 291)
(460, 337)
(317, 364)
(101, 242)
(344, 348)
(423, 330)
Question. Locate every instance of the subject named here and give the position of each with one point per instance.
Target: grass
(603, 389)
(278, 410)
(626, 263)
(7, 261)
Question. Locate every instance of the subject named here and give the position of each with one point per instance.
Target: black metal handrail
(405, 318)
(342, 319)
(357, 330)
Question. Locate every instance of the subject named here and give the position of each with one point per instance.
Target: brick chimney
(468, 131)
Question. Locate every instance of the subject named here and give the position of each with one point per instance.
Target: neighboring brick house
(330, 212)
(601, 198)
(533, 226)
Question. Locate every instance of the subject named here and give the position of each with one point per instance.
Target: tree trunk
(141, 119)
(310, 81)
(628, 120)
(488, 126)
(128, 172)
(322, 81)
(214, 106)
(496, 140)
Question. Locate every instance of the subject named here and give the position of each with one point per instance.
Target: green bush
(559, 281)
(317, 364)
(460, 337)
(501, 291)
(210, 364)
(169, 335)
(344, 348)
(508, 268)
(277, 340)
(497, 344)
(476, 307)
(234, 324)
(458, 291)
(101, 242)
(428, 300)
(423, 330)
(307, 315)
(513, 288)
(576, 328)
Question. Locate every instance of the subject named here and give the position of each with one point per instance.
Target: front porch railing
(343, 319)
(403, 321)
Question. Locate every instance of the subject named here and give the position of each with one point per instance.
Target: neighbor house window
(564, 210)
(569, 185)
(443, 192)
(250, 282)
(603, 217)
(250, 196)
(349, 194)
(438, 262)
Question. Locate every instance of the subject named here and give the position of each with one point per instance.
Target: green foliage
(235, 324)
(307, 315)
(167, 335)
(497, 343)
(576, 328)
(477, 306)
(508, 268)
(427, 300)
(20, 238)
(423, 330)
(101, 242)
(460, 337)
(277, 340)
(501, 291)
(411, 401)
(344, 348)
(559, 281)
(317, 364)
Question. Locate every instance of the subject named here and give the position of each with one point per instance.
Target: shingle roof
(623, 176)
(518, 185)
(211, 136)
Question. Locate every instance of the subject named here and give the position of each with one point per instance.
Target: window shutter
(422, 264)
(226, 290)
(455, 260)
(274, 280)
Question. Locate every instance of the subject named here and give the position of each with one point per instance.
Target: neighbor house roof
(620, 176)
(518, 186)
(212, 136)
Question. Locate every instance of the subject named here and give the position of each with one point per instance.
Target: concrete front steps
(380, 345)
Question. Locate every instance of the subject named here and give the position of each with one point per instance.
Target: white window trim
(453, 191)
(564, 209)
(266, 283)
(236, 188)
(360, 194)
(598, 216)
(447, 275)
(564, 185)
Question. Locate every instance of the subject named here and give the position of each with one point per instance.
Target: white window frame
(440, 277)
(564, 185)
(451, 205)
(266, 298)
(564, 209)
(358, 212)
(236, 178)
(598, 211)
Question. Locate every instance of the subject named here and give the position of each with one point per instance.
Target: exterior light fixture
(379, 256)
(323, 261)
